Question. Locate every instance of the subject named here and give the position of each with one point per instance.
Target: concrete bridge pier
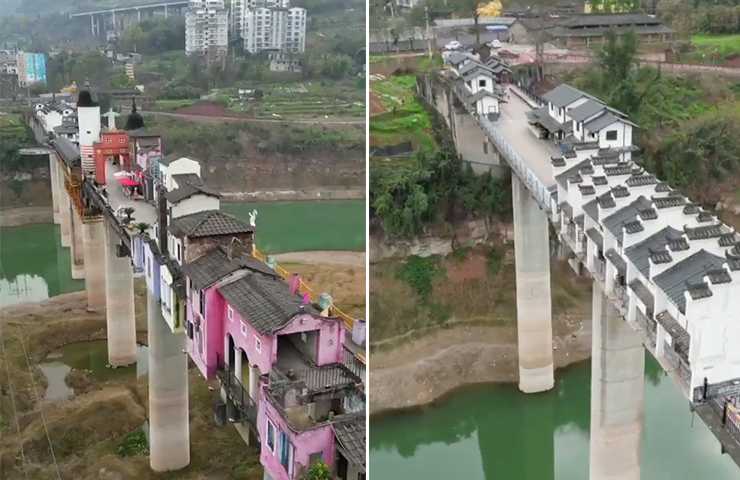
(169, 427)
(53, 180)
(533, 302)
(77, 259)
(119, 300)
(617, 394)
(93, 243)
(65, 216)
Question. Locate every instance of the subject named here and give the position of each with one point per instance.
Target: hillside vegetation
(689, 124)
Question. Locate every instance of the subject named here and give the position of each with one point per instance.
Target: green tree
(318, 471)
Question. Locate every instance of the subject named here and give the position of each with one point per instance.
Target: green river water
(493, 432)
(34, 266)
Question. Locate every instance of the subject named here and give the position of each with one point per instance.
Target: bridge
(119, 18)
(666, 274)
(115, 236)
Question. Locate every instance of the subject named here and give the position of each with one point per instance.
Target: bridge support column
(92, 25)
(119, 300)
(76, 252)
(169, 427)
(53, 174)
(534, 322)
(65, 217)
(617, 394)
(93, 241)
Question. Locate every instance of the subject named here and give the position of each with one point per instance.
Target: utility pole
(429, 38)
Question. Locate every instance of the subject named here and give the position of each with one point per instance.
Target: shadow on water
(495, 432)
(91, 357)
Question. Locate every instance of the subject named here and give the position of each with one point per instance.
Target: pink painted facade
(206, 348)
(305, 443)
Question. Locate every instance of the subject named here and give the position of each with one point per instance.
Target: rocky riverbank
(421, 371)
(19, 216)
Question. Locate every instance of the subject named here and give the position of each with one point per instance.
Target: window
(611, 135)
(270, 436)
(230, 313)
(286, 454)
(257, 344)
(244, 329)
(202, 302)
(481, 83)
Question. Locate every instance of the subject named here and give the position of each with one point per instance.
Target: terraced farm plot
(305, 99)
(404, 118)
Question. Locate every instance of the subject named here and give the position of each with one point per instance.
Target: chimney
(235, 249)
(295, 282)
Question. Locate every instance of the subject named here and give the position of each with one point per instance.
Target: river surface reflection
(33, 264)
(494, 432)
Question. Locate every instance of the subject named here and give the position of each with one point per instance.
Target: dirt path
(211, 118)
(15, 217)
(421, 371)
(326, 257)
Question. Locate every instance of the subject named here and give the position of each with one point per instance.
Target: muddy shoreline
(429, 369)
(19, 216)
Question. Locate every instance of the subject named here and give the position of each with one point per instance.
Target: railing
(239, 396)
(538, 189)
(729, 412)
(348, 320)
(353, 363)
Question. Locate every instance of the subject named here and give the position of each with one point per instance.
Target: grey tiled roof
(563, 95)
(592, 209)
(563, 177)
(187, 190)
(719, 275)
(351, 438)
(215, 265)
(208, 223)
(670, 201)
(641, 180)
(702, 233)
(265, 302)
(587, 189)
(587, 110)
(599, 180)
(619, 169)
(688, 272)
(602, 121)
(639, 253)
(626, 214)
(726, 240)
(68, 151)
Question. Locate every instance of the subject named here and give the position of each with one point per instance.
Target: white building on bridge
(672, 268)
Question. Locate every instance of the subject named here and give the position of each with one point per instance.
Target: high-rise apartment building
(206, 28)
(269, 25)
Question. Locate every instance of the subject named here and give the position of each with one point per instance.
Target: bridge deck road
(513, 125)
(144, 212)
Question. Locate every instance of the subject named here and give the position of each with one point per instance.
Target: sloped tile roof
(265, 302)
(351, 436)
(639, 254)
(563, 95)
(208, 223)
(686, 274)
(215, 265)
(586, 110)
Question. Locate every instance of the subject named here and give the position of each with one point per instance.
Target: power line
(40, 407)
(12, 400)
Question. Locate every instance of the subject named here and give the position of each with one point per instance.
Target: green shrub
(133, 444)
(420, 273)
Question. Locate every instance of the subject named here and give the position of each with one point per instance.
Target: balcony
(244, 408)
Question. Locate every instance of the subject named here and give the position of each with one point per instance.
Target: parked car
(453, 45)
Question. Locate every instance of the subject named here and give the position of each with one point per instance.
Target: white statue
(253, 217)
